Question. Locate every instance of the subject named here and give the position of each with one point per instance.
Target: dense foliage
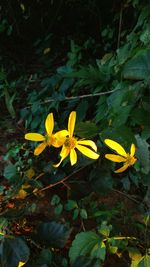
(91, 57)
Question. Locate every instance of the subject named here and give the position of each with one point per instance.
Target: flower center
(130, 160)
(70, 142)
(49, 139)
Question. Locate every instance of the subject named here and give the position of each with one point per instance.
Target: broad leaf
(10, 171)
(101, 179)
(87, 244)
(53, 234)
(44, 258)
(143, 154)
(138, 68)
(86, 129)
(14, 250)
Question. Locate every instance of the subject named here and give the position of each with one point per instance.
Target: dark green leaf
(81, 110)
(126, 183)
(138, 68)
(101, 180)
(143, 154)
(53, 234)
(146, 133)
(58, 209)
(55, 200)
(141, 117)
(10, 171)
(71, 204)
(83, 261)
(14, 250)
(86, 129)
(44, 258)
(122, 135)
(83, 214)
(75, 214)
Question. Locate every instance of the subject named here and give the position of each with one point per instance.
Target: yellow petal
(64, 153)
(21, 263)
(60, 138)
(132, 150)
(39, 149)
(115, 158)
(115, 146)
(88, 143)
(122, 169)
(49, 124)
(73, 157)
(71, 123)
(87, 152)
(34, 137)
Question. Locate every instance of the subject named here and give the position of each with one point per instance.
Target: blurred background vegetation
(93, 57)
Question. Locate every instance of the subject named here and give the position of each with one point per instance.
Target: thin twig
(126, 195)
(120, 26)
(74, 97)
(62, 181)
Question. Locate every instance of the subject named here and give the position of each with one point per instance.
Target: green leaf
(105, 229)
(113, 249)
(53, 234)
(120, 116)
(9, 102)
(123, 135)
(55, 200)
(87, 244)
(102, 109)
(58, 209)
(10, 171)
(141, 117)
(3, 227)
(138, 68)
(134, 254)
(146, 133)
(45, 257)
(143, 154)
(75, 214)
(86, 129)
(14, 250)
(86, 262)
(145, 262)
(71, 204)
(83, 214)
(126, 183)
(101, 179)
(81, 110)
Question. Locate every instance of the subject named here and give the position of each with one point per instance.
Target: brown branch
(74, 97)
(126, 195)
(120, 26)
(63, 180)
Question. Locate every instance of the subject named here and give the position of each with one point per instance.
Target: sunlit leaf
(87, 244)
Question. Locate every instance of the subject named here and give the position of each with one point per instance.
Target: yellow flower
(70, 143)
(49, 139)
(21, 263)
(127, 158)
